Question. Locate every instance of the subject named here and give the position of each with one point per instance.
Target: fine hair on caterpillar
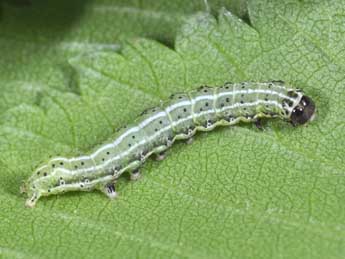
(156, 129)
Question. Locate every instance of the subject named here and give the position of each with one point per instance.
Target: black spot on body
(230, 118)
(278, 81)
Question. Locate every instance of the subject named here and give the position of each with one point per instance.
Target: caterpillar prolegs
(158, 128)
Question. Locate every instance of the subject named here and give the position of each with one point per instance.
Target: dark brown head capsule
(303, 112)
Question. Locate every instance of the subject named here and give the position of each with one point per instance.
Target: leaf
(236, 192)
(36, 37)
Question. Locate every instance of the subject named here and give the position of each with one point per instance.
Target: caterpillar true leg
(135, 175)
(160, 156)
(258, 124)
(190, 141)
(109, 190)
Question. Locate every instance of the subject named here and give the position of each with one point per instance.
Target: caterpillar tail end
(31, 202)
(33, 195)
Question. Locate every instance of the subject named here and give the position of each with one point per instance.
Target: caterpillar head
(301, 110)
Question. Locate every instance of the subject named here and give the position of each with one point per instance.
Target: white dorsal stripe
(172, 108)
(181, 104)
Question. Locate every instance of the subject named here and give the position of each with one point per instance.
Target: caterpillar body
(158, 128)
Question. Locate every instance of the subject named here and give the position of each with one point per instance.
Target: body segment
(180, 117)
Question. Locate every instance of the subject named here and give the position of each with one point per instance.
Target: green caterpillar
(157, 129)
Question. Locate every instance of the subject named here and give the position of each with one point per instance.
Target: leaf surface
(234, 193)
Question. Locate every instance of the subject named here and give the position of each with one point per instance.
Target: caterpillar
(156, 129)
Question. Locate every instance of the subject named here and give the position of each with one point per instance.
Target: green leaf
(236, 192)
(36, 37)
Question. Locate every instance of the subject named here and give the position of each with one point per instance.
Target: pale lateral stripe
(169, 109)
(184, 103)
(107, 162)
